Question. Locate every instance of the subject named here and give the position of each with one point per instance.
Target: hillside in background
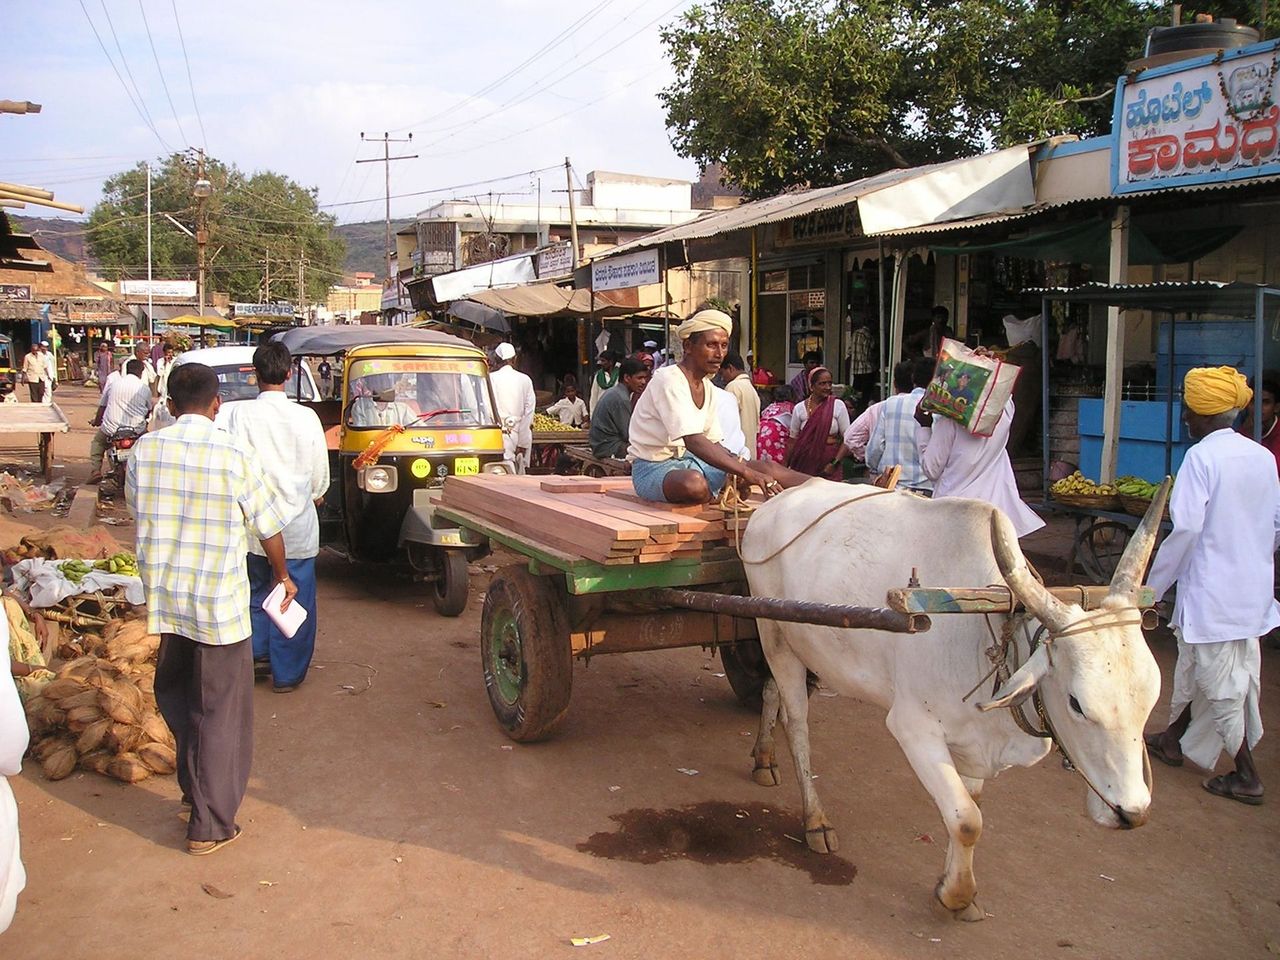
(365, 252)
(66, 239)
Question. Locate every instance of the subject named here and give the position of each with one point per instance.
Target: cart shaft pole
(792, 611)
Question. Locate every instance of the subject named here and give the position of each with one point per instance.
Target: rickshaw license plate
(466, 466)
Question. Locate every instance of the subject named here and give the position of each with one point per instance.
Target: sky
(488, 88)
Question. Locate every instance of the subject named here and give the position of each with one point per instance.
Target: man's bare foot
(1164, 748)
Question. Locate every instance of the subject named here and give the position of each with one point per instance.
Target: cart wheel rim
(506, 660)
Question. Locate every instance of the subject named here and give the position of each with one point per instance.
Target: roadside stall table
(42, 419)
(549, 447)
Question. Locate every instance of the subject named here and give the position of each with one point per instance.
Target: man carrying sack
(1222, 562)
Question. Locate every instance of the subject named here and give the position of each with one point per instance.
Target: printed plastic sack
(970, 388)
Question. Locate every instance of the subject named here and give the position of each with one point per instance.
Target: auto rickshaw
(413, 408)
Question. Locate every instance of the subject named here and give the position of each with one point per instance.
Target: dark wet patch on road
(716, 832)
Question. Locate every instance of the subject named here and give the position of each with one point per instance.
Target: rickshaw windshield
(395, 390)
(240, 382)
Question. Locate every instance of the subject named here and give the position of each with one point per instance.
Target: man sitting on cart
(675, 435)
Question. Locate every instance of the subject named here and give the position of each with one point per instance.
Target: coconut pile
(100, 712)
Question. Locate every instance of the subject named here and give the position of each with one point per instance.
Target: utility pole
(202, 191)
(302, 279)
(266, 282)
(386, 140)
(151, 309)
(573, 215)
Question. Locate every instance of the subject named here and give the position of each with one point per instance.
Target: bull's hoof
(822, 839)
(766, 775)
(969, 913)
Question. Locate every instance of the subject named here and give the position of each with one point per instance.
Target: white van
(237, 379)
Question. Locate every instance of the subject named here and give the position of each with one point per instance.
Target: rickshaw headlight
(379, 479)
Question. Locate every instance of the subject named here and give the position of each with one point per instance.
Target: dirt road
(389, 817)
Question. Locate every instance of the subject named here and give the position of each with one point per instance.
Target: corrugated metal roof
(787, 206)
(1167, 295)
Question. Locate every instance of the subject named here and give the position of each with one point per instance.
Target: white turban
(505, 351)
(705, 320)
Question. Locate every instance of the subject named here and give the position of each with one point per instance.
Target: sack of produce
(970, 388)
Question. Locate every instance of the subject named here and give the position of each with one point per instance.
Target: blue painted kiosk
(1205, 323)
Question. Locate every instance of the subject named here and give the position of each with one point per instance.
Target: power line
(128, 72)
(102, 46)
(204, 141)
(529, 95)
(449, 189)
(164, 83)
(546, 48)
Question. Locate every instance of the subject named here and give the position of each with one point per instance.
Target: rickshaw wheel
(525, 654)
(449, 592)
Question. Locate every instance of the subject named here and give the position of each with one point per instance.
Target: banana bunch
(1136, 487)
(543, 422)
(1081, 485)
(124, 563)
(75, 570)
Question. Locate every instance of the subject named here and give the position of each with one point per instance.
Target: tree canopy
(792, 92)
(252, 218)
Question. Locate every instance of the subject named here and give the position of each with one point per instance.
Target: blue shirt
(893, 442)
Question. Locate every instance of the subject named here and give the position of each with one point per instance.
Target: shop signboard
(555, 260)
(15, 291)
(263, 309)
(820, 226)
(158, 288)
(1204, 120)
(629, 270)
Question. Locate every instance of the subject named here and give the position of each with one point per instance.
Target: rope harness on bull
(999, 654)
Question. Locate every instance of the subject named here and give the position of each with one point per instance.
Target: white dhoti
(1221, 683)
(510, 443)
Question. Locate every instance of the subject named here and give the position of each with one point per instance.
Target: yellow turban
(705, 320)
(1210, 391)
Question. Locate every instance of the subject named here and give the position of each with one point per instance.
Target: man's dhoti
(1220, 682)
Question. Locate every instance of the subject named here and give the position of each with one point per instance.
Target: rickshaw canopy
(329, 341)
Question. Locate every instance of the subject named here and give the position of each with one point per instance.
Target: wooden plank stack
(598, 519)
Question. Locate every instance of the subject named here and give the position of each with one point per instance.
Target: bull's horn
(1047, 608)
(1133, 565)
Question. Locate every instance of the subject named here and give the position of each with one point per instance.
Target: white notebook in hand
(287, 621)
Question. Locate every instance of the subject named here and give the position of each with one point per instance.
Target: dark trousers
(205, 694)
(37, 390)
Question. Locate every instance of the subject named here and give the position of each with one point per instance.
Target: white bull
(831, 543)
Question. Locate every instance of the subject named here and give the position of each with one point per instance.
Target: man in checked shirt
(194, 492)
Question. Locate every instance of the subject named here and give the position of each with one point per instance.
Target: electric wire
(114, 69)
(163, 83)
(204, 140)
(124, 61)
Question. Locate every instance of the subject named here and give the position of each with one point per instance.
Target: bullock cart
(603, 572)
(43, 420)
(1201, 322)
(588, 464)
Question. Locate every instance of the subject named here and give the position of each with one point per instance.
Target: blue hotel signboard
(1206, 120)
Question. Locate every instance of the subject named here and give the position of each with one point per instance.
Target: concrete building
(358, 295)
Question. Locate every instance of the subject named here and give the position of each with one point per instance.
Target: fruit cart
(549, 444)
(1105, 515)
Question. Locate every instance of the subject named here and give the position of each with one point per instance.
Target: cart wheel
(747, 671)
(449, 593)
(1100, 547)
(524, 649)
(593, 470)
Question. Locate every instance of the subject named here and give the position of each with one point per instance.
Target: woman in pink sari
(775, 426)
(818, 425)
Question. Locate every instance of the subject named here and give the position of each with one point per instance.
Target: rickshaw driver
(376, 403)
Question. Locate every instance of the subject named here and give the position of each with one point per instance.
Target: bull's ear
(1022, 684)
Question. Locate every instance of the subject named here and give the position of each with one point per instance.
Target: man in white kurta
(13, 744)
(738, 383)
(1226, 527)
(513, 392)
(962, 465)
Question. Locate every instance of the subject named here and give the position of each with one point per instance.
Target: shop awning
(483, 276)
(207, 320)
(548, 300)
(893, 200)
(1194, 296)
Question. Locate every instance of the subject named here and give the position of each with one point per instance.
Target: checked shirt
(197, 496)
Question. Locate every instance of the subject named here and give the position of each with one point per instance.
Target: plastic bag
(970, 388)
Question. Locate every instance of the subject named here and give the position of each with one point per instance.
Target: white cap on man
(651, 344)
(44, 343)
(505, 351)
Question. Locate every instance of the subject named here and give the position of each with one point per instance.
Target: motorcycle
(118, 452)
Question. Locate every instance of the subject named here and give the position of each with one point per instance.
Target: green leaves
(812, 92)
(252, 220)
